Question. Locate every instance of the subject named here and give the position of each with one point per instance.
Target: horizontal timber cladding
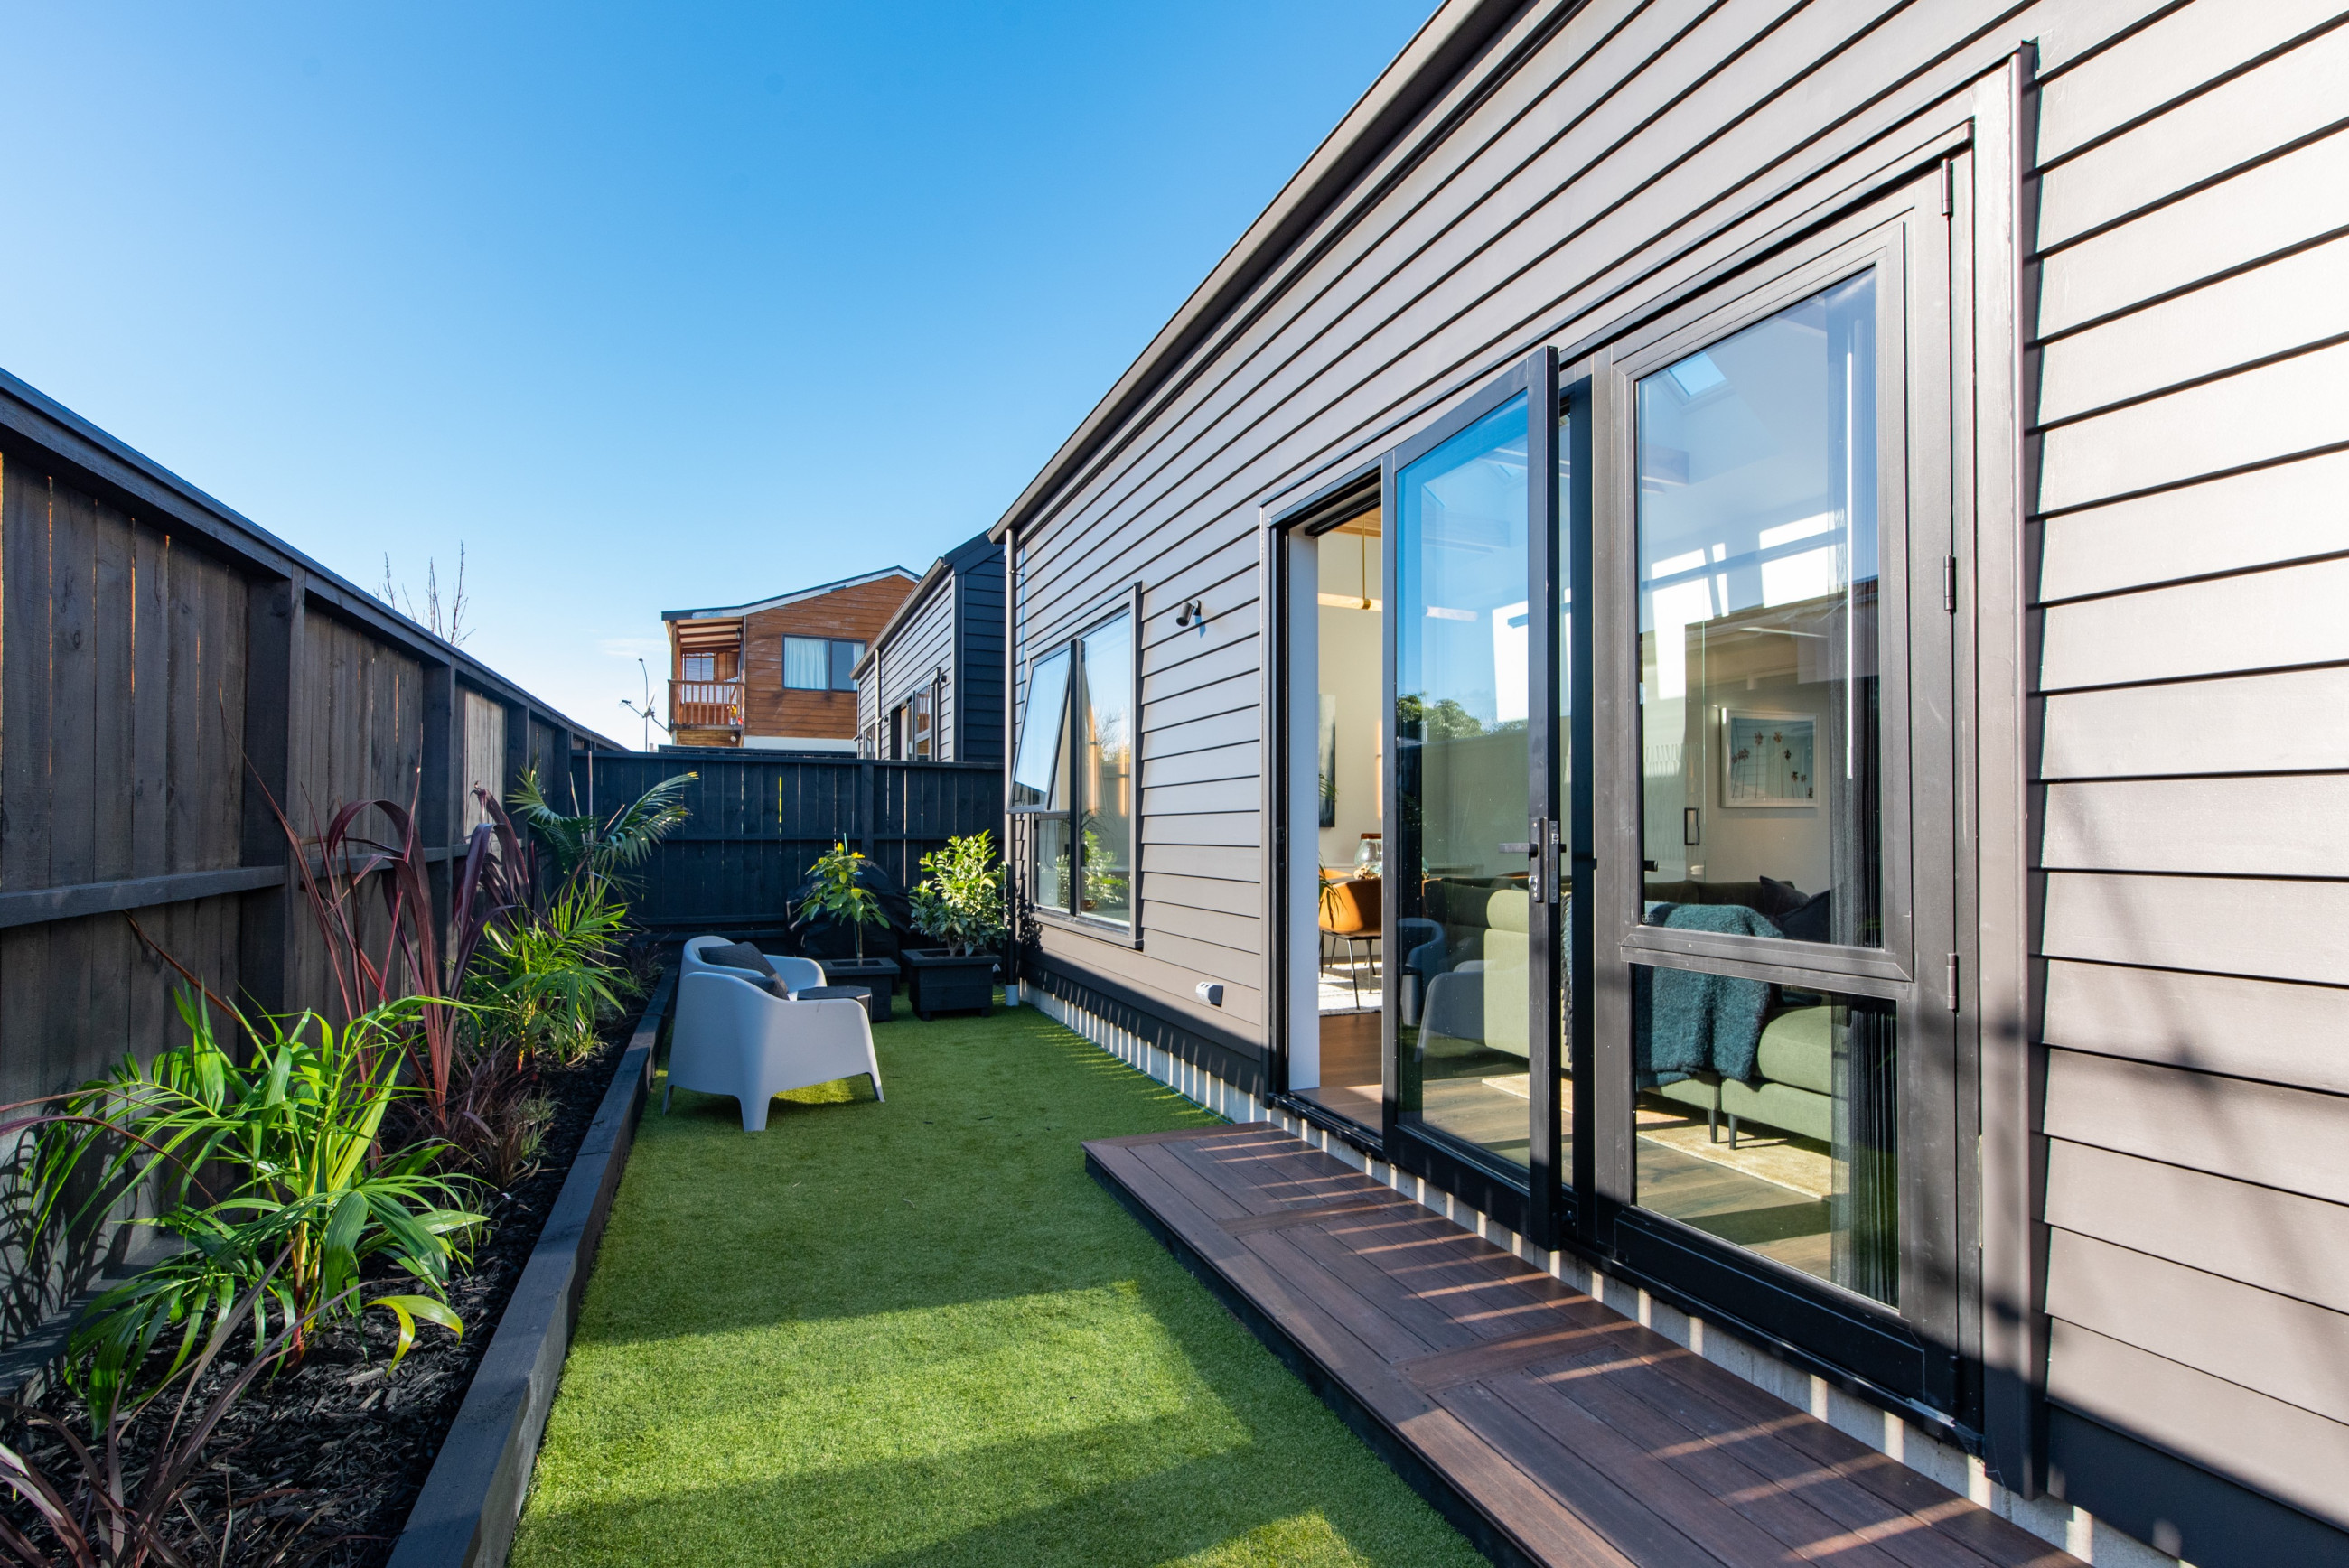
(856, 613)
(2194, 236)
(2185, 439)
(756, 825)
(919, 656)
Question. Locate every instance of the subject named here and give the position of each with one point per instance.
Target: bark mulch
(321, 1463)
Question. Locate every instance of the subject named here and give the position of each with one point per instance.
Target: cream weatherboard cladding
(2185, 198)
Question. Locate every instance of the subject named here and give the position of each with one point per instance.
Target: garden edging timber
(473, 1498)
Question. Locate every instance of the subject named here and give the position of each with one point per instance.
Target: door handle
(1517, 849)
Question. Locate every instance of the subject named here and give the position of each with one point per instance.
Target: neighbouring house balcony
(705, 705)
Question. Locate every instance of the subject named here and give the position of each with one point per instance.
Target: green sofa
(1794, 1088)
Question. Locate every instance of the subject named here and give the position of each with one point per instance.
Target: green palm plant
(542, 985)
(295, 1129)
(594, 848)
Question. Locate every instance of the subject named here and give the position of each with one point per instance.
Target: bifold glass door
(1459, 861)
(1666, 903)
(1768, 1114)
(1776, 833)
(1473, 989)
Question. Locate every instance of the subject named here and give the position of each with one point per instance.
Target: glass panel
(1757, 628)
(1108, 763)
(845, 655)
(1768, 1116)
(1038, 777)
(1565, 760)
(1460, 724)
(807, 664)
(700, 666)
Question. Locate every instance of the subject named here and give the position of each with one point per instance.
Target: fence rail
(758, 824)
(167, 668)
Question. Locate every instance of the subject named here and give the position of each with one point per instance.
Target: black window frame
(1127, 603)
(1914, 1357)
(1912, 1352)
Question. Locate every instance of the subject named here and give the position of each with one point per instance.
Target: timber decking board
(1561, 1430)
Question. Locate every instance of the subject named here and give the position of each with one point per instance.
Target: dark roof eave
(959, 559)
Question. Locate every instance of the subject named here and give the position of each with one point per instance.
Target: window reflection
(1039, 779)
(1758, 591)
(1768, 1116)
(1107, 652)
(1462, 615)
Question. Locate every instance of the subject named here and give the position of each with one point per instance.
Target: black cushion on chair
(740, 956)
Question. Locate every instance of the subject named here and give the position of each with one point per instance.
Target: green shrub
(960, 900)
(306, 1200)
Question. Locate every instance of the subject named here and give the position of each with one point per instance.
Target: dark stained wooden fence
(760, 820)
(160, 655)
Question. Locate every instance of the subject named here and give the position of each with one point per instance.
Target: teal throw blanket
(1684, 1022)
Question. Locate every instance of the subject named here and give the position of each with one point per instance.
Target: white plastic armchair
(796, 974)
(734, 1036)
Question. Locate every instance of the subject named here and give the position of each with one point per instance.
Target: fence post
(871, 806)
(440, 803)
(267, 967)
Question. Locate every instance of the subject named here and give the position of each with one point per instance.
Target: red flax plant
(496, 879)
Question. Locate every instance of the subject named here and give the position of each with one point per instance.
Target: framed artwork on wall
(1768, 758)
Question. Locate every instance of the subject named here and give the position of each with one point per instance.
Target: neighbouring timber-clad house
(778, 673)
(930, 688)
(1709, 647)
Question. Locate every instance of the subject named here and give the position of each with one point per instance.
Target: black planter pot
(944, 982)
(877, 975)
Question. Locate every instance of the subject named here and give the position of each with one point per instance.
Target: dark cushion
(1811, 920)
(740, 956)
(1777, 898)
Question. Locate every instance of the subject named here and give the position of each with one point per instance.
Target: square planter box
(878, 975)
(945, 982)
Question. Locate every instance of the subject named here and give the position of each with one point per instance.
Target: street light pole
(646, 712)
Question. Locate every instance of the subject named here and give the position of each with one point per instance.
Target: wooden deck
(1551, 1428)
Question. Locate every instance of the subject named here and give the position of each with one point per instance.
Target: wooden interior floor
(1352, 1072)
(1552, 1429)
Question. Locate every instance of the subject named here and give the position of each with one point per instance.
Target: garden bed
(323, 1462)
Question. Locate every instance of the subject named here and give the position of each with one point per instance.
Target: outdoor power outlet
(1211, 994)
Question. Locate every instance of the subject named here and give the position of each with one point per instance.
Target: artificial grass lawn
(918, 1332)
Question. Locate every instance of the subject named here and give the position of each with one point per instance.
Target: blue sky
(644, 307)
(649, 306)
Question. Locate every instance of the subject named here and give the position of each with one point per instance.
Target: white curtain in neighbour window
(807, 664)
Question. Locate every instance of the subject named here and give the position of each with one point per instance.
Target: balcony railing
(705, 705)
